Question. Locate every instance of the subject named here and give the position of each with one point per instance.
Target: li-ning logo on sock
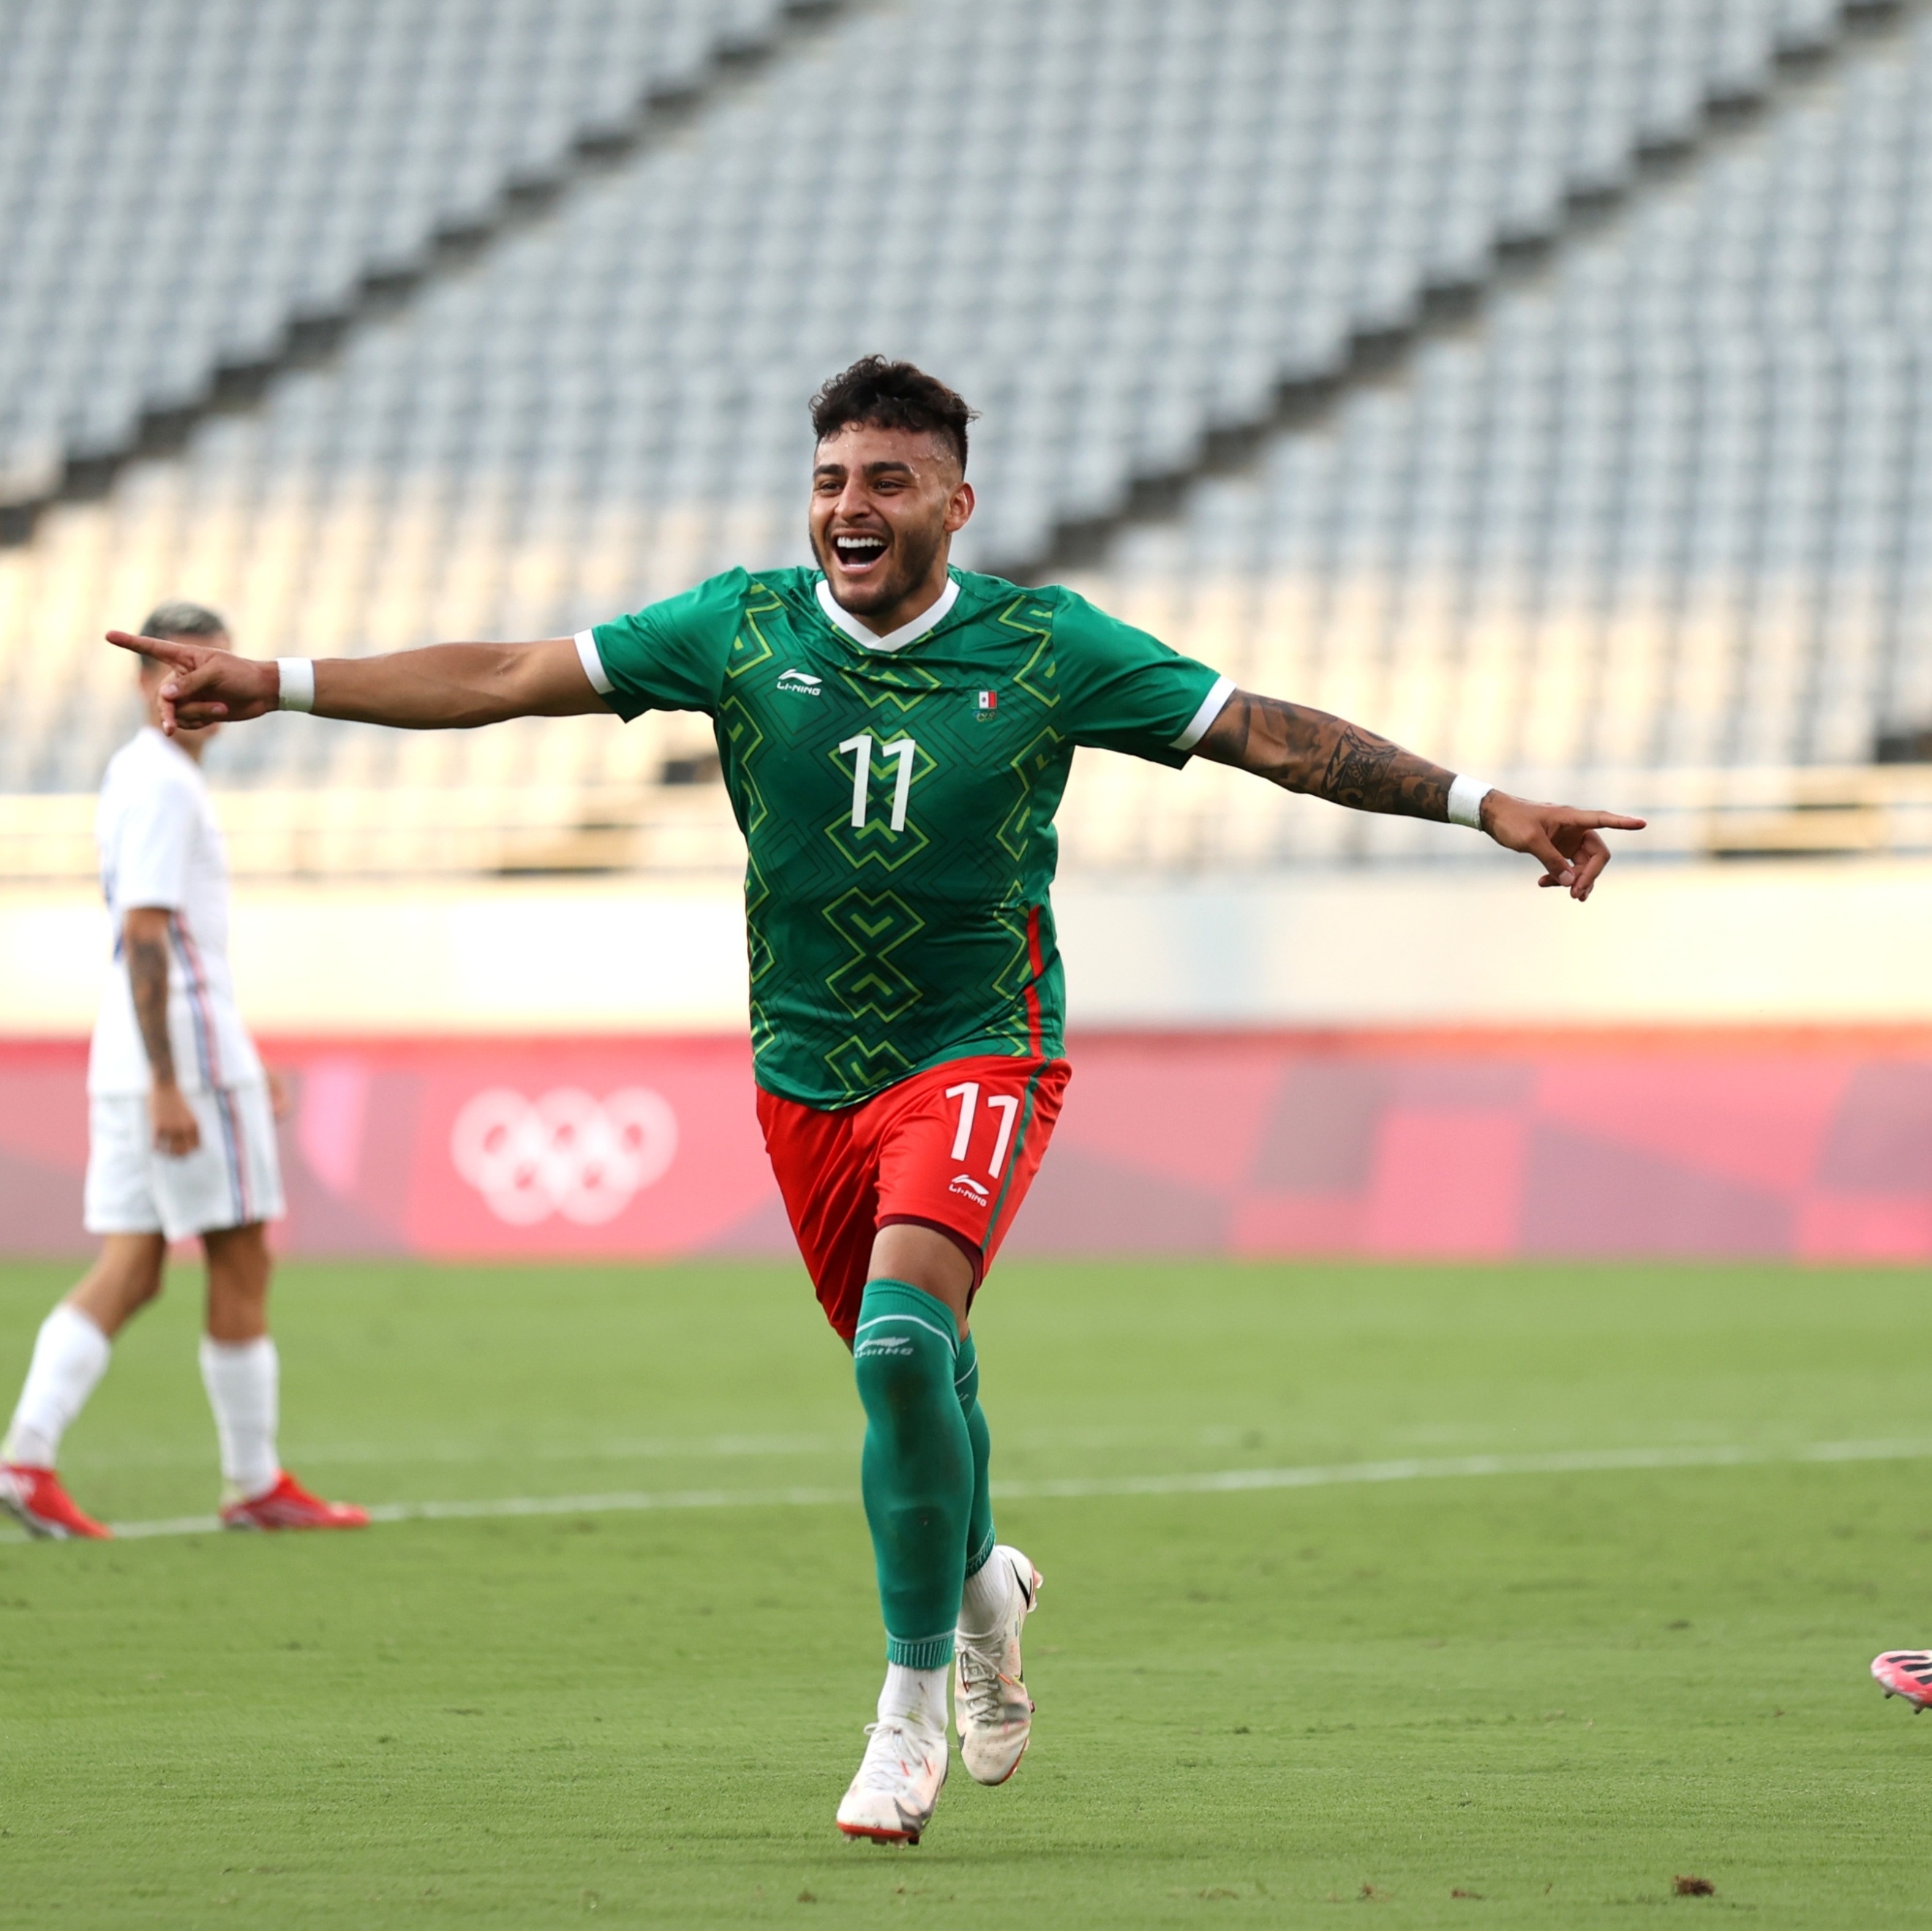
(884, 1344)
(967, 1188)
(801, 681)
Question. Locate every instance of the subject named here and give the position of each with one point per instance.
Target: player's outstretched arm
(1305, 750)
(446, 686)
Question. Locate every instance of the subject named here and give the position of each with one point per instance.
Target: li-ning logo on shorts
(802, 682)
(967, 1188)
(565, 1153)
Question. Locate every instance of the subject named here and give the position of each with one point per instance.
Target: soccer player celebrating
(181, 1137)
(896, 736)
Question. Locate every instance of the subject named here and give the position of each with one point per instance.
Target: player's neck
(189, 743)
(902, 610)
(885, 642)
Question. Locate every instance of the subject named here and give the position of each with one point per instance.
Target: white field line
(645, 1448)
(1218, 1481)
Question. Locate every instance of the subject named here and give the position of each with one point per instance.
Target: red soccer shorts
(954, 1148)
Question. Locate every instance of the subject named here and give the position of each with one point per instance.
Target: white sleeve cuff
(593, 664)
(297, 691)
(1465, 800)
(1210, 708)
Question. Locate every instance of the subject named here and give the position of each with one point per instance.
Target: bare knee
(925, 1259)
(126, 1275)
(238, 1266)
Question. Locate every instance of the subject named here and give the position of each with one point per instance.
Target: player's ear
(959, 506)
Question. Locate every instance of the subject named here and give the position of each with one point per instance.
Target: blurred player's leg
(241, 1372)
(71, 1354)
(239, 1366)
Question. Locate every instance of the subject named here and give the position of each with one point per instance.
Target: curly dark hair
(892, 395)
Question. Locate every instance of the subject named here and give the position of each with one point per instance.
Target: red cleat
(34, 1498)
(1906, 1673)
(288, 1505)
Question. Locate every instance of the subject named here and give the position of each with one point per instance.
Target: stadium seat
(1661, 509)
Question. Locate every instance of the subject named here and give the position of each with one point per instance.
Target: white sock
(919, 1694)
(988, 1595)
(243, 1379)
(70, 1357)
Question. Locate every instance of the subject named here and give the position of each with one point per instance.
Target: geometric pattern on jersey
(898, 807)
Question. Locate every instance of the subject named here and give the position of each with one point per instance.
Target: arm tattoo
(1304, 750)
(148, 978)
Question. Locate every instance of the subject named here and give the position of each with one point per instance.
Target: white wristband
(1465, 800)
(299, 684)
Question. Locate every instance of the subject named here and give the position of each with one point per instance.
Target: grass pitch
(1517, 1699)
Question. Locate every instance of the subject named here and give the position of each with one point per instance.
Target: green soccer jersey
(897, 796)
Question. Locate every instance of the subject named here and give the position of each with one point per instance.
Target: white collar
(896, 639)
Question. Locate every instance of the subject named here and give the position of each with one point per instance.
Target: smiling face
(885, 503)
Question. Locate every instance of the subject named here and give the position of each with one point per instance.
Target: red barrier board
(1817, 1146)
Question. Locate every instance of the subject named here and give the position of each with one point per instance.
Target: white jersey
(161, 846)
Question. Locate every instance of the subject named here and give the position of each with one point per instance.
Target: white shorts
(232, 1178)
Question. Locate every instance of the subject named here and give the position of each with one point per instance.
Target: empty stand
(1120, 226)
(1659, 531)
(183, 183)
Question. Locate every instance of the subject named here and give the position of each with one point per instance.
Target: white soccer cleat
(892, 1799)
(990, 1701)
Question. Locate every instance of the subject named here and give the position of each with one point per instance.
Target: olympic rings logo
(565, 1153)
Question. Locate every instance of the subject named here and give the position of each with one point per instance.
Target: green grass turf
(1281, 1708)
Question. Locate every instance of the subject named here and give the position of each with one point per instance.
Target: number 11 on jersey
(905, 751)
(1005, 1104)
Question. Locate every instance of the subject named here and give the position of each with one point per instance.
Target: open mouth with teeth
(858, 553)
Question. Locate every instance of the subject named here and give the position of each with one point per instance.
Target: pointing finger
(1606, 821)
(163, 650)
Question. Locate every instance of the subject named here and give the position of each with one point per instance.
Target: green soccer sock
(917, 1471)
(979, 1537)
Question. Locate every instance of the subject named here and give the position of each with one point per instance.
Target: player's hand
(1567, 840)
(177, 1131)
(205, 687)
(281, 1102)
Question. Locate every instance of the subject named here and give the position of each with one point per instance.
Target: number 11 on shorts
(1006, 1104)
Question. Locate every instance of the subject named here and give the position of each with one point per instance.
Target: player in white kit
(181, 1141)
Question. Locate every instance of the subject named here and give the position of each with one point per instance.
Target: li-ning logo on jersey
(967, 1188)
(802, 682)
